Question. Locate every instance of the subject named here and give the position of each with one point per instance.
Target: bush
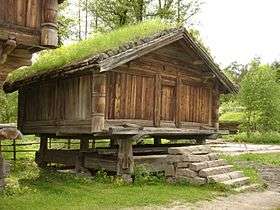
(232, 117)
(260, 97)
(8, 108)
(143, 176)
(258, 137)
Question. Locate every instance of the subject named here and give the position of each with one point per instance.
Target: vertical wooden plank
(138, 97)
(32, 14)
(178, 102)
(10, 11)
(98, 102)
(209, 109)
(143, 90)
(133, 97)
(21, 12)
(3, 4)
(118, 96)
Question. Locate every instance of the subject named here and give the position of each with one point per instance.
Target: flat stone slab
(215, 170)
(195, 150)
(236, 148)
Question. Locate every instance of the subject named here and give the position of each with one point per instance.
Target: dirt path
(244, 201)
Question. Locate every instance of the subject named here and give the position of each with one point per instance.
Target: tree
(65, 23)
(122, 12)
(236, 72)
(260, 97)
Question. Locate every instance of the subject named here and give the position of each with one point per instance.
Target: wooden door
(167, 103)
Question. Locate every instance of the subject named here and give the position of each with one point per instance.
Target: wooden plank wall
(26, 13)
(131, 89)
(130, 96)
(57, 106)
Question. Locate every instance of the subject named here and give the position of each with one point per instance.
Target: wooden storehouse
(161, 86)
(26, 26)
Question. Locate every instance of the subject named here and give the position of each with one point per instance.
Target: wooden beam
(125, 163)
(7, 48)
(43, 151)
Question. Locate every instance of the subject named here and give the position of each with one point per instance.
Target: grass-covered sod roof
(98, 43)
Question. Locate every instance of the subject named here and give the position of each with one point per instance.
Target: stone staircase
(197, 164)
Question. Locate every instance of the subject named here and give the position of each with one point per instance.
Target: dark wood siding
(58, 105)
(128, 96)
(25, 13)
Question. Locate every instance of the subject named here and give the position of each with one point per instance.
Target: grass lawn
(31, 188)
(255, 137)
(248, 162)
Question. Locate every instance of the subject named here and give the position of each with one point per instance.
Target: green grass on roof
(54, 59)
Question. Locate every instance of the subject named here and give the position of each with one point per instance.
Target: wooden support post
(84, 146)
(42, 151)
(69, 144)
(157, 99)
(49, 35)
(125, 163)
(98, 102)
(157, 141)
(14, 150)
(113, 142)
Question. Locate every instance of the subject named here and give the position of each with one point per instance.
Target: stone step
(225, 177)
(206, 164)
(215, 170)
(250, 187)
(238, 182)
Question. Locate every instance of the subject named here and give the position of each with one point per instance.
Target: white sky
(239, 30)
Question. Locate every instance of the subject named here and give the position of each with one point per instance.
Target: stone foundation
(199, 165)
(185, 163)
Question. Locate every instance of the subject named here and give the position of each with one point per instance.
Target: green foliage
(8, 108)
(257, 137)
(260, 97)
(271, 159)
(232, 117)
(54, 59)
(248, 170)
(143, 176)
(65, 23)
(118, 13)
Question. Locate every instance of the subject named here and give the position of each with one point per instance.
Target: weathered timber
(98, 102)
(43, 151)
(25, 25)
(125, 163)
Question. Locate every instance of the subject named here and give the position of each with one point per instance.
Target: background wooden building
(26, 26)
(163, 86)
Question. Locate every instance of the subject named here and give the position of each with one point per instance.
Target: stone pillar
(125, 163)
